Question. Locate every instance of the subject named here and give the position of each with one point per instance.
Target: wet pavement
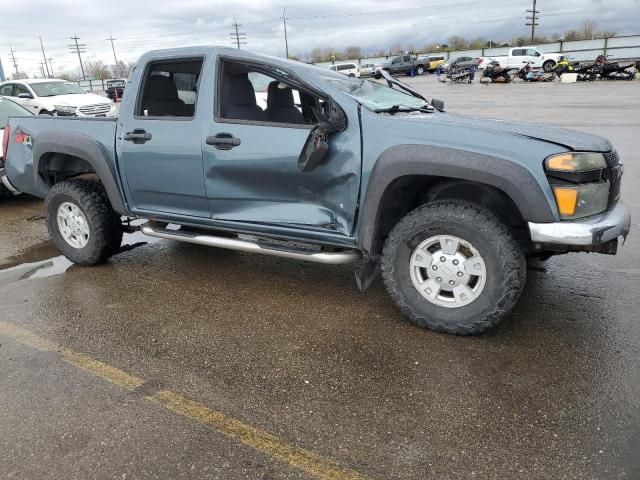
(293, 349)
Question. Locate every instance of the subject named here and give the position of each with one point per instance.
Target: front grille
(614, 174)
(98, 109)
(612, 158)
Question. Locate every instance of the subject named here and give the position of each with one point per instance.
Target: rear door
(159, 139)
(251, 155)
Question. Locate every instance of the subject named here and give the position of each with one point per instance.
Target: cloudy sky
(140, 25)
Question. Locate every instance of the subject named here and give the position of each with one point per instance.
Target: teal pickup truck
(221, 147)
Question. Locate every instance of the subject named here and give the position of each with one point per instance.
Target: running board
(332, 258)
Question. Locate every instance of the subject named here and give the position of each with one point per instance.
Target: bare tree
(98, 70)
(456, 42)
(122, 69)
(316, 55)
(353, 53)
(588, 28)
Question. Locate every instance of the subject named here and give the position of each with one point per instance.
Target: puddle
(45, 260)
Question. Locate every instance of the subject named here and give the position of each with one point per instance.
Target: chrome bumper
(7, 183)
(594, 230)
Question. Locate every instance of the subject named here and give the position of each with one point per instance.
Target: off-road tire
(105, 228)
(504, 259)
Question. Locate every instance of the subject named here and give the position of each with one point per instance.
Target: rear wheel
(81, 221)
(453, 267)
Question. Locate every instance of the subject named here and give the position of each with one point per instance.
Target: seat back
(239, 98)
(280, 105)
(162, 98)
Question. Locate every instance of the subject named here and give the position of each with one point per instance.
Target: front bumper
(590, 231)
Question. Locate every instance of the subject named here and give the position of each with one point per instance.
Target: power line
(286, 41)
(533, 18)
(238, 38)
(78, 48)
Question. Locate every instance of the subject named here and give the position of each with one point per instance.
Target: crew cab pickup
(520, 55)
(446, 207)
(403, 64)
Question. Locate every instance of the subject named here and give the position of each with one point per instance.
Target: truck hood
(77, 100)
(570, 139)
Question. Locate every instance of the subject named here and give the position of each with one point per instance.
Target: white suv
(350, 69)
(57, 97)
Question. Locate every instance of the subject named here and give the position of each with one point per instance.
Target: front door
(160, 140)
(251, 156)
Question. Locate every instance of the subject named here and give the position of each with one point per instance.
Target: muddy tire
(81, 221)
(473, 262)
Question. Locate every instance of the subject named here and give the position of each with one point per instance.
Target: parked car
(403, 64)
(57, 97)
(8, 109)
(447, 207)
(435, 61)
(459, 62)
(115, 89)
(521, 55)
(367, 69)
(348, 69)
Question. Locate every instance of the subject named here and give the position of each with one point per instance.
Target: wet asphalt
(295, 350)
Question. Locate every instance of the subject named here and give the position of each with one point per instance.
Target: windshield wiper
(402, 108)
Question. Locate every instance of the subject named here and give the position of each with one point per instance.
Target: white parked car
(367, 69)
(57, 97)
(349, 69)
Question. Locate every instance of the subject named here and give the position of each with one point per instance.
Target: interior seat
(280, 105)
(239, 99)
(162, 98)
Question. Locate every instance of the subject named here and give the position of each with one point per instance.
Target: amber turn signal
(566, 200)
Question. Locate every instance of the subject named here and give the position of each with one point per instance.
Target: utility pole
(535, 14)
(51, 65)
(78, 48)
(44, 57)
(15, 64)
(238, 38)
(42, 69)
(111, 39)
(284, 24)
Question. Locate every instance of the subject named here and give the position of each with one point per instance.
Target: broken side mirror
(437, 104)
(316, 148)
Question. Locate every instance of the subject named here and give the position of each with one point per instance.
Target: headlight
(582, 199)
(576, 162)
(65, 109)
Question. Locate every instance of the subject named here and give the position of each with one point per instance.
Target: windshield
(10, 109)
(51, 89)
(378, 96)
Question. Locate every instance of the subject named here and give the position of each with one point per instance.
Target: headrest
(161, 88)
(279, 97)
(238, 90)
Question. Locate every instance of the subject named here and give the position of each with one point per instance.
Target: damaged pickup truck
(221, 147)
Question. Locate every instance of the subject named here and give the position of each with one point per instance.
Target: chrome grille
(98, 109)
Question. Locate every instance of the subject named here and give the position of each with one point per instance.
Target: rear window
(10, 109)
(436, 59)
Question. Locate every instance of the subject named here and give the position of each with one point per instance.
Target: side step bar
(333, 258)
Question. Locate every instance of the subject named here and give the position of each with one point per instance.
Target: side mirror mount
(25, 95)
(316, 148)
(437, 104)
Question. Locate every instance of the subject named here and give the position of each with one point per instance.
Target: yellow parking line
(79, 360)
(255, 438)
(235, 429)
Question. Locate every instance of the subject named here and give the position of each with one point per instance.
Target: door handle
(137, 136)
(223, 141)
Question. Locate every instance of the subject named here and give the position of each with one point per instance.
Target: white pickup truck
(518, 56)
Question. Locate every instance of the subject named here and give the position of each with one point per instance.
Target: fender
(511, 178)
(59, 141)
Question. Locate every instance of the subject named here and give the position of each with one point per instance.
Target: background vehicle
(115, 89)
(518, 56)
(348, 69)
(367, 69)
(403, 64)
(57, 97)
(461, 62)
(7, 109)
(446, 207)
(434, 62)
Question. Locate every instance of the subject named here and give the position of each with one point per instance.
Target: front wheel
(419, 70)
(454, 267)
(81, 221)
(548, 66)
